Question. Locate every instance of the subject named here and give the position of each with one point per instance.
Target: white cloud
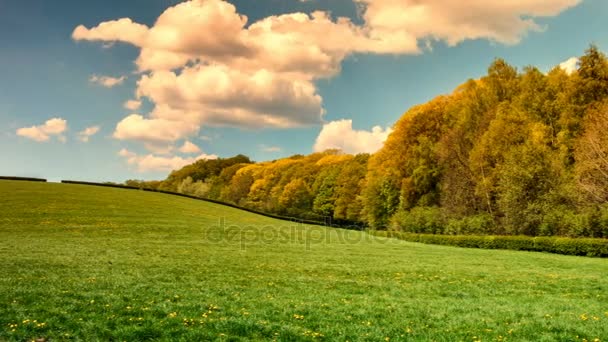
(87, 133)
(151, 162)
(340, 135)
(570, 65)
(132, 104)
(107, 81)
(219, 95)
(123, 30)
(189, 148)
(454, 21)
(270, 149)
(203, 63)
(41, 133)
(136, 127)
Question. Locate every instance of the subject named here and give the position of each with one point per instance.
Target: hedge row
(558, 245)
(279, 217)
(29, 179)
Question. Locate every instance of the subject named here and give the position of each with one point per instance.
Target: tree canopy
(513, 152)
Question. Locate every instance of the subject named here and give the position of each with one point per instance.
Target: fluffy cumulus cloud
(154, 163)
(107, 81)
(222, 95)
(203, 63)
(87, 133)
(132, 104)
(453, 21)
(41, 133)
(341, 135)
(189, 148)
(155, 130)
(570, 65)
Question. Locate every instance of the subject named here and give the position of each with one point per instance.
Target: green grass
(89, 263)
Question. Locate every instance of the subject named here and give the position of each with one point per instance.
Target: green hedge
(558, 245)
(28, 179)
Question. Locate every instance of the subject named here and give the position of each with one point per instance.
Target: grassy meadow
(89, 263)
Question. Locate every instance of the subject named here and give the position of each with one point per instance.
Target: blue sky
(46, 73)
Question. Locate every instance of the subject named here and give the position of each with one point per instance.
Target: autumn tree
(296, 196)
(349, 185)
(592, 155)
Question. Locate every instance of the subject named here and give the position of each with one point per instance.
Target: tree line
(512, 153)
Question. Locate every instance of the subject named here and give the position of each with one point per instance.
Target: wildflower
(296, 316)
(173, 314)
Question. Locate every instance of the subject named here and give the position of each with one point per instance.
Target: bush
(558, 245)
(427, 220)
(588, 222)
(603, 220)
(471, 225)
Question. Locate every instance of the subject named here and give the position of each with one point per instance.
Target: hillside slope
(81, 262)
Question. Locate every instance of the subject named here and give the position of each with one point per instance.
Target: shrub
(471, 225)
(427, 220)
(603, 220)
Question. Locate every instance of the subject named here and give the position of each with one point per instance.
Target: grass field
(89, 263)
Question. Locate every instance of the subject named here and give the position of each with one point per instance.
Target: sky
(116, 90)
